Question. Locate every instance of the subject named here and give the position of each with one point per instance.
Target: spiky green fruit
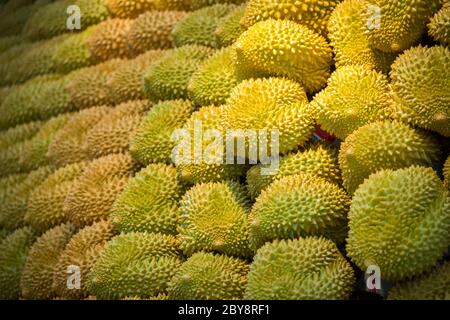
(91, 197)
(153, 141)
(229, 27)
(9, 42)
(37, 276)
(432, 286)
(18, 134)
(135, 264)
(284, 48)
(149, 202)
(398, 25)
(153, 30)
(198, 4)
(128, 8)
(270, 104)
(313, 14)
(384, 145)
(113, 132)
(199, 26)
(439, 25)
(421, 90)
(300, 269)
(213, 217)
(355, 96)
(82, 251)
(212, 83)
(447, 173)
(399, 221)
(168, 78)
(13, 254)
(319, 160)
(208, 276)
(346, 31)
(46, 201)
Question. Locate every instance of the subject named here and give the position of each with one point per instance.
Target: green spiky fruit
(213, 217)
(9, 42)
(399, 221)
(212, 83)
(3, 234)
(447, 173)
(439, 26)
(37, 276)
(229, 27)
(355, 96)
(13, 254)
(11, 24)
(421, 91)
(69, 144)
(125, 83)
(346, 31)
(18, 134)
(208, 276)
(298, 206)
(384, 145)
(199, 26)
(46, 201)
(153, 139)
(152, 30)
(92, 195)
(432, 286)
(300, 269)
(82, 251)
(89, 86)
(113, 132)
(319, 160)
(285, 48)
(14, 202)
(149, 202)
(9, 60)
(211, 164)
(198, 4)
(135, 264)
(109, 40)
(400, 24)
(168, 78)
(313, 14)
(270, 104)
(129, 8)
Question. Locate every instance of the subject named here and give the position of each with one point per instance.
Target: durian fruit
(355, 96)
(152, 30)
(399, 221)
(125, 83)
(9, 60)
(401, 24)
(82, 251)
(168, 78)
(18, 134)
(15, 199)
(346, 31)
(204, 130)
(109, 40)
(73, 52)
(384, 145)
(319, 160)
(129, 8)
(270, 104)
(89, 86)
(37, 276)
(135, 264)
(198, 4)
(3, 234)
(13, 254)
(229, 27)
(421, 90)
(199, 26)
(213, 217)
(113, 132)
(173, 5)
(92, 195)
(69, 144)
(9, 42)
(152, 141)
(299, 206)
(212, 83)
(432, 286)
(284, 48)
(12, 23)
(300, 269)
(149, 202)
(46, 201)
(313, 14)
(208, 276)
(447, 173)
(439, 25)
